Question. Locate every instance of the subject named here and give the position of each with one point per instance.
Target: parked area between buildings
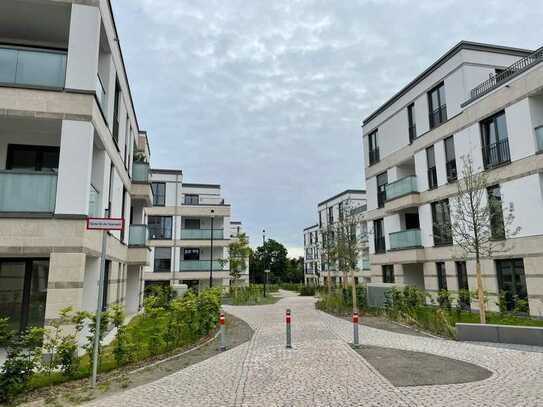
(323, 370)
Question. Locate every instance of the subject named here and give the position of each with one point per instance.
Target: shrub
(308, 290)
(444, 299)
(339, 300)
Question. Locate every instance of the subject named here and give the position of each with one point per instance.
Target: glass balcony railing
(94, 203)
(403, 186)
(200, 265)
(140, 172)
(539, 138)
(405, 239)
(201, 234)
(24, 191)
(32, 67)
(137, 235)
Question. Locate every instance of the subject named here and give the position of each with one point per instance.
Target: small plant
(521, 305)
(444, 299)
(307, 290)
(463, 303)
(120, 348)
(89, 346)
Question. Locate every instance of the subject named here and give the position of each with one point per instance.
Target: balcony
(25, 191)
(405, 239)
(496, 154)
(32, 67)
(513, 70)
(201, 234)
(200, 265)
(140, 172)
(539, 138)
(403, 186)
(137, 235)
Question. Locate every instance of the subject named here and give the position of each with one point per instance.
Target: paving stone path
(322, 369)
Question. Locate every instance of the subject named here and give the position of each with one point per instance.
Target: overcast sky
(266, 97)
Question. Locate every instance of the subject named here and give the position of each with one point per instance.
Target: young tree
(328, 252)
(238, 255)
(480, 222)
(350, 243)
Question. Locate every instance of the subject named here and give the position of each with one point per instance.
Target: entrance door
(23, 291)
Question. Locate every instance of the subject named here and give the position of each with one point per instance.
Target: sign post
(222, 346)
(355, 329)
(289, 332)
(103, 224)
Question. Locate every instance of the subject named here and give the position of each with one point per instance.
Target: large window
(382, 181)
(512, 282)
(373, 147)
(340, 211)
(437, 106)
(495, 212)
(192, 223)
(159, 193)
(191, 199)
(441, 276)
(441, 223)
(23, 291)
(32, 158)
(330, 215)
(432, 172)
(116, 102)
(191, 254)
(320, 219)
(450, 159)
(412, 123)
(495, 141)
(160, 227)
(388, 273)
(463, 286)
(379, 236)
(163, 260)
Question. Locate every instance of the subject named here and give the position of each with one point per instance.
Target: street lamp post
(211, 256)
(264, 253)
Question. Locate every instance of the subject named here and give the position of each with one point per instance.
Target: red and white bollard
(289, 332)
(222, 346)
(355, 328)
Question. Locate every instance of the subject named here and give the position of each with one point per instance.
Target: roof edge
(347, 191)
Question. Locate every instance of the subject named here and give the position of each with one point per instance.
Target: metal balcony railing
(513, 70)
(140, 172)
(27, 191)
(403, 186)
(496, 154)
(200, 265)
(137, 235)
(405, 239)
(201, 234)
(32, 67)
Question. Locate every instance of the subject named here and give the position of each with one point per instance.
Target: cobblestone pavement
(322, 370)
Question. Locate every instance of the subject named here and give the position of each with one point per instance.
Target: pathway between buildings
(322, 369)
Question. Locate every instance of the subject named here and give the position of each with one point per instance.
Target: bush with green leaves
(340, 300)
(308, 290)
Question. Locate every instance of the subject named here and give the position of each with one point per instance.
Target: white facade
(189, 231)
(329, 211)
(412, 187)
(67, 149)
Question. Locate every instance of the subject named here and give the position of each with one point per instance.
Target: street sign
(105, 223)
(266, 271)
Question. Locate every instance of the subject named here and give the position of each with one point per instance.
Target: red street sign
(105, 223)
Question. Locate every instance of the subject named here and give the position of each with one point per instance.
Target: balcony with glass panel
(138, 252)
(141, 183)
(405, 239)
(403, 186)
(201, 234)
(137, 235)
(20, 66)
(200, 265)
(27, 191)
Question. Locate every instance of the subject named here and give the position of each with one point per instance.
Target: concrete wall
(525, 196)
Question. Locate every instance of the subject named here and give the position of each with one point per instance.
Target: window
(160, 227)
(159, 193)
(412, 123)
(373, 147)
(441, 276)
(163, 260)
(379, 236)
(192, 223)
(437, 105)
(191, 199)
(495, 141)
(191, 254)
(495, 212)
(462, 275)
(388, 273)
(115, 132)
(450, 159)
(512, 282)
(340, 211)
(320, 219)
(305, 239)
(330, 215)
(32, 158)
(441, 223)
(432, 172)
(382, 181)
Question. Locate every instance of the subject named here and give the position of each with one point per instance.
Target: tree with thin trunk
(351, 243)
(480, 221)
(328, 252)
(238, 255)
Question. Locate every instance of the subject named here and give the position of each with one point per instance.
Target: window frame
(188, 199)
(441, 274)
(450, 164)
(440, 110)
(411, 122)
(431, 169)
(381, 189)
(440, 238)
(373, 147)
(155, 186)
(497, 230)
(515, 275)
(163, 227)
(387, 271)
(156, 267)
(38, 159)
(500, 146)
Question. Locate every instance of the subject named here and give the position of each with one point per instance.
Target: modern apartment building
(189, 230)
(70, 147)
(478, 100)
(330, 212)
